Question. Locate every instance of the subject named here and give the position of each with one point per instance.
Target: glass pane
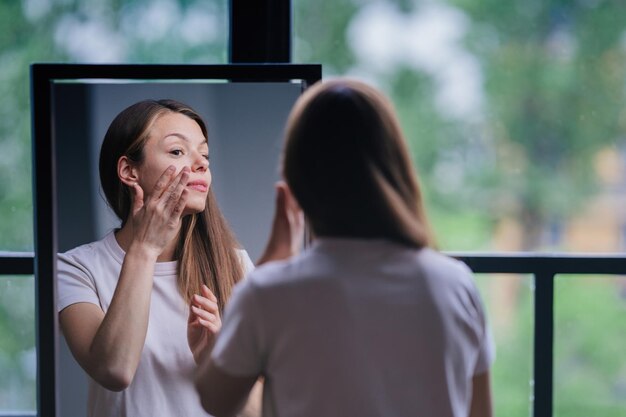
(92, 31)
(17, 344)
(508, 300)
(590, 343)
(503, 104)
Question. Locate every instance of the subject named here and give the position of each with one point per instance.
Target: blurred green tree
(554, 84)
(551, 77)
(552, 81)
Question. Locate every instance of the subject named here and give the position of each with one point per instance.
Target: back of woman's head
(127, 136)
(348, 166)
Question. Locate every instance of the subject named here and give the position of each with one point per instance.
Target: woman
(370, 320)
(139, 307)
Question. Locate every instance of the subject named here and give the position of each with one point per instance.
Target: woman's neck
(124, 237)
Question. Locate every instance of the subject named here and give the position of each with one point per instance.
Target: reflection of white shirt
(163, 383)
(358, 328)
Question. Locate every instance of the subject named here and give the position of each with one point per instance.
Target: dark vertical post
(260, 31)
(543, 344)
(45, 244)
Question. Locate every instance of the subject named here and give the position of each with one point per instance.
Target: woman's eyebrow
(185, 138)
(178, 135)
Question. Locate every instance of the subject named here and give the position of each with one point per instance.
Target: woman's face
(175, 139)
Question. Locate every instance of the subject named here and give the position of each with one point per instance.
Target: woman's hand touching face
(204, 324)
(156, 219)
(287, 234)
(177, 140)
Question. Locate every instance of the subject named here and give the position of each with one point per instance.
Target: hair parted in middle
(347, 163)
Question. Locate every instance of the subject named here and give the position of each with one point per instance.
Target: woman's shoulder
(441, 260)
(443, 267)
(90, 252)
(244, 259)
(271, 273)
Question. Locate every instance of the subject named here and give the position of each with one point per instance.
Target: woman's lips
(201, 186)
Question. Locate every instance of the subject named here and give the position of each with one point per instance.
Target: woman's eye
(176, 152)
(206, 157)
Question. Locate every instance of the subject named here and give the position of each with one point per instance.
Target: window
(514, 112)
(17, 344)
(590, 332)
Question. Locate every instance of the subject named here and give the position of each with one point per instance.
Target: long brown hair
(347, 163)
(206, 249)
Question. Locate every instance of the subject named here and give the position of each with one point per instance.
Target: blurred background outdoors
(516, 116)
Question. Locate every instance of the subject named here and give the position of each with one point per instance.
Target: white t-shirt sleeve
(74, 283)
(238, 349)
(486, 353)
(248, 265)
(486, 346)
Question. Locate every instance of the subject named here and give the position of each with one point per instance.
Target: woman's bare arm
(222, 394)
(108, 346)
(287, 232)
(481, 396)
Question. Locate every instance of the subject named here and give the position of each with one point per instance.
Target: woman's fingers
(206, 309)
(289, 220)
(201, 324)
(169, 195)
(164, 180)
(281, 199)
(168, 182)
(137, 192)
(156, 216)
(205, 304)
(292, 209)
(208, 293)
(204, 315)
(176, 195)
(287, 231)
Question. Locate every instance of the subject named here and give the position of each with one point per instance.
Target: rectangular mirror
(245, 108)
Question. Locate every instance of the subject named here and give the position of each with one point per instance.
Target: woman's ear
(126, 171)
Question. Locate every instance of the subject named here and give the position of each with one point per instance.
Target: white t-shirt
(163, 383)
(358, 328)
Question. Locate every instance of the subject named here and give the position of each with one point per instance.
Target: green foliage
(17, 343)
(466, 231)
(512, 369)
(554, 76)
(320, 33)
(590, 335)
(427, 133)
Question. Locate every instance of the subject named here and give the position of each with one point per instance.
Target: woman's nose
(200, 162)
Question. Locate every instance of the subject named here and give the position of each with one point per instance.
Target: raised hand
(156, 220)
(204, 323)
(287, 233)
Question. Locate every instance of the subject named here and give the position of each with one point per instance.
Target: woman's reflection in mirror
(139, 307)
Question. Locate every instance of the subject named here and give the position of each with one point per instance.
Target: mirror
(245, 123)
